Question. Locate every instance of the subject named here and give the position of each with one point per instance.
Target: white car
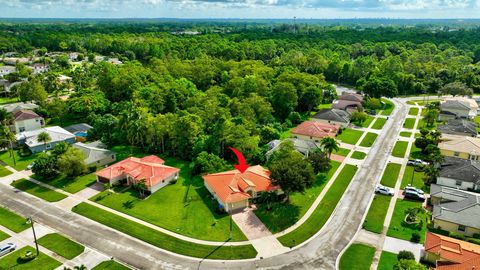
(414, 189)
(7, 248)
(384, 190)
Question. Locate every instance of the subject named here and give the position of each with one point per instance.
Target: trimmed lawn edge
(38, 191)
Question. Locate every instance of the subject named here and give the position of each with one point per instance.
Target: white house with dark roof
(460, 173)
(95, 155)
(458, 108)
(57, 135)
(333, 116)
(26, 120)
(459, 127)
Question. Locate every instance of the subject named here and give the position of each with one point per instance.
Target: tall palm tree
(7, 138)
(329, 145)
(431, 174)
(45, 138)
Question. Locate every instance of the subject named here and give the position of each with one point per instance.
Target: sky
(249, 9)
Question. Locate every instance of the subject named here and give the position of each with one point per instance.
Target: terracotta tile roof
(316, 129)
(454, 254)
(230, 186)
(25, 115)
(149, 168)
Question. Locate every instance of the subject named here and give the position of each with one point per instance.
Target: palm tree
(431, 174)
(45, 138)
(7, 138)
(329, 145)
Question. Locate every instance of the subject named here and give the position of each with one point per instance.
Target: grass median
(369, 139)
(323, 211)
(377, 213)
(400, 149)
(61, 245)
(357, 257)
(12, 221)
(162, 240)
(350, 136)
(38, 191)
(390, 175)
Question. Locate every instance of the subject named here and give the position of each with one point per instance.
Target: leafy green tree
(45, 166)
(405, 255)
(358, 117)
(44, 137)
(32, 90)
(378, 87)
(209, 163)
(456, 89)
(72, 162)
(408, 265)
(60, 148)
(430, 117)
(284, 99)
(87, 102)
(319, 160)
(5, 117)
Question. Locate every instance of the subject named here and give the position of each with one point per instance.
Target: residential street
(319, 253)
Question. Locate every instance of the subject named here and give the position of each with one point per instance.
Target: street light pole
(34, 235)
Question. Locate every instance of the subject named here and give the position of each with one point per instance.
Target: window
(458, 182)
(456, 154)
(113, 156)
(461, 228)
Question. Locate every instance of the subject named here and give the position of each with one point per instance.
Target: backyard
(369, 139)
(376, 214)
(357, 257)
(400, 229)
(350, 136)
(390, 175)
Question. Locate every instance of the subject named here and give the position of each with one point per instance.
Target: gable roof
(149, 168)
(461, 169)
(13, 107)
(459, 126)
(464, 212)
(302, 146)
(92, 153)
(470, 101)
(344, 104)
(333, 115)
(231, 186)
(25, 115)
(455, 254)
(316, 129)
(448, 193)
(57, 134)
(351, 97)
(455, 104)
(458, 143)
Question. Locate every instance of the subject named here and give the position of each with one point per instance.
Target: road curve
(318, 253)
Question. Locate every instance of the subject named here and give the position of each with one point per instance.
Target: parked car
(413, 195)
(416, 162)
(414, 189)
(384, 190)
(7, 248)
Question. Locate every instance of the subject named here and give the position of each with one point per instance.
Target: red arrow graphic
(242, 163)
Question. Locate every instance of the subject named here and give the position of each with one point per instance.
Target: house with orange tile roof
(448, 253)
(151, 169)
(315, 131)
(233, 189)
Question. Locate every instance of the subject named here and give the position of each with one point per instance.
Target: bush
(415, 237)
(405, 255)
(28, 256)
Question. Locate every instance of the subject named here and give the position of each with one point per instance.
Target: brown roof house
(26, 120)
(348, 102)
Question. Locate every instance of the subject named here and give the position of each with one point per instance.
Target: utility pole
(34, 235)
(294, 24)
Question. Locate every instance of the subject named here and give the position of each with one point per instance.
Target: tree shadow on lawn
(281, 216)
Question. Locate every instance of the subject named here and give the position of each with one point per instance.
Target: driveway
(395, 245)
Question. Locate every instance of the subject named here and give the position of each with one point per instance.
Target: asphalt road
(320, 252)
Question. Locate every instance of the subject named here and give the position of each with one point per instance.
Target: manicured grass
(399, 149)
(387, 261)
(477, 121)
(3, 236)
(185, 207)
(409, 123)
(22, 162)
(357, 257)
(110, 265)
(68, 184)
(6, 100)
(4, 171)
(162, 240)
(283, 215)
(390, 175)
(323, 211)
(324, 106)
(350, 136)
(369, 139)
(359, 155)
(342, 152)
(389, 106)
(422, 124)
(379, 123)
(61, 245)
(417, 179)
(365, 123)
(42, 262)
(413, 111)
(399, 229)
(405, 134)
(416, 153)
(39, 191)
(12, 221)
(376, 214)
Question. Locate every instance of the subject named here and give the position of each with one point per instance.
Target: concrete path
(367, 237)
(395, 245)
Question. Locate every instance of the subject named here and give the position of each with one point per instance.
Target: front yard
(413, 111)
(42, 262)
(415, 179)
(389, 106)
(369, 139)
(3, 236)
(387, 260)
(342, 152)
(110, 265)
(359, 155)
(68, 184)
(350, 136)
(4, 171)
(400, 229)
(37, 190)
(377, 213)
(357, 257)
(22, 162)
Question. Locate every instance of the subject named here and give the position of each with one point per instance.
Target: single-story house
(443, 194)
(314, 131)
(151, 169)
(233, 189)
(4, 70)
(465, 147)
(13, 107)
(333, 116)
(447, 253)
(38, 68)
(95, 155)
(458, 108)
(348, 102)
(26, 120)
(302, 146)
(459, 173)
(57, 135)
(459, 127)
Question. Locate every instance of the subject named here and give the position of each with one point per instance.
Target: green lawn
(409, 123)
(389, 177)
(387, 261)
(357, 257)
(162, 240)
(399, 149)
(22, 162)
(39, 191)
(369, 139)
(4, 171)
(422, 124)
(324, 106)
(379, 123)
(323, 211)
(365, 123)
(6, 100)
(42, 262)
(399, 229)
(376, 214)
(350, 136)
(359, 155)
(417, 177)
(413, 111)
(3, 236)
(61, 245)
(389, 106)
(405, 134)
(110, 265)
(342, 152)
(283, 215)
(416, 153)
(68, 184)
(185, 207)
(12, 221)
(477, 121)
